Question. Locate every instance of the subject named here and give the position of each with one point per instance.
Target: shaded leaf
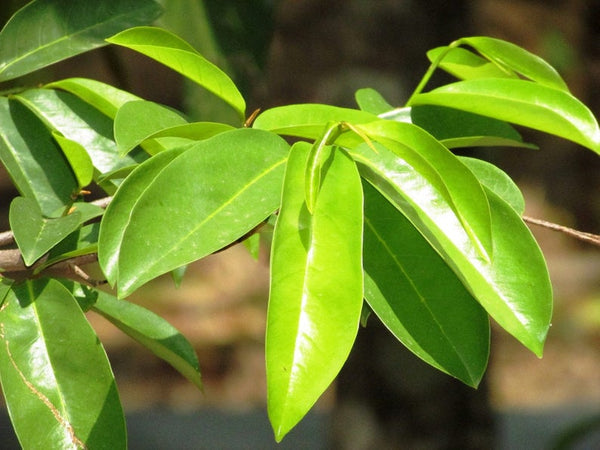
(523, 103)
(47, 353)
(466, 65)
(418, 298)
(153, 332)
(47, 31)
(207, 197)
(80, 161)
(35, 234)
(78, 121)
(34, 162)
(371, 101)
(177, 54)
(316, 287)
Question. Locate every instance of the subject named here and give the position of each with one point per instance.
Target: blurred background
(292, 51)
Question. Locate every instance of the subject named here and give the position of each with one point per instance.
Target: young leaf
(307, 120)
(444, 171)
(497, 181)
(177, 54)
(514, 287)
(34, 234)
(153, 332)
(104, 97)
(418, 298)
(523, 103)
(316, 286)
(517, 59)
(466, 65)
(78, 158)
(136, 121)
(204, 199)
(56, 379)
(78, 121)
(33, 160)
(47, 31)
(371, 101)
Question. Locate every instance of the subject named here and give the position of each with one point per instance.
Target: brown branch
(590, 238)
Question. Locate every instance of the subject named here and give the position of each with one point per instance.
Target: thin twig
(590, 238)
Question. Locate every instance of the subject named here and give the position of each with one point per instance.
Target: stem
(590, 238)
(432, 67)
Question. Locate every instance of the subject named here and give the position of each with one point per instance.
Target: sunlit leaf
(466, 65)
(316, 287)
(47, 31)
(153, 332)
(371, 101)
(78, 158)
(418, 298)
(207, 197)
(57, 381)
(523, 103)
(177, 54)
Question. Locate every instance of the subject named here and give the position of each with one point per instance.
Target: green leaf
(33, 160)
(371, 101)
(444, 171)
(181, 135)
(419, 299)
(165, 216)
(80, 161)
(78, 121)
(153, 332)
(316, 287)
(514, 288)
(466, 65)
(455, 128)
(131, 190)
(34, 234)
(48, 31)
(496, 180)
(137, 121)
(517, 59)
(523, 103)
(104, 97)
(177, 54)
(83, 241)
(56, 379)
(307, 120)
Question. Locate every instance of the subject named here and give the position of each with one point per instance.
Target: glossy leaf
(209, 196)
(131, 190)
(316, 287)
(455, 128)
(523, 103)
(136, 121)
(104, 97)
(48, 31)
(444, 171)
(308, 120)
(78, 121)
(514, 288)
(56, 379)
(496, 180)
(181, 135)
(153, 332)
(82, 241)
(466, 65)
(35, 234)
(507, 54)
(177, 54)
(418, 298)
(371, 101)
(80, 161)
(35, 163)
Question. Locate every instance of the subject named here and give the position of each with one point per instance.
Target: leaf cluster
(371, 212)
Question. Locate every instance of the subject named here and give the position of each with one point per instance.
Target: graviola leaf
(211, 194)
(520, 102)
(418, 298)
(316, 286)
(177, 54)
(47, 31)
(48, 354)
